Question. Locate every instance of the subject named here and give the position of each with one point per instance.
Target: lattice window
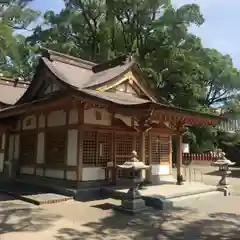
(28, 143)
(124, 148)
(147, 149)
(124, 144)
(155, 149)
(97, 148)
(55, 146)
(104, 148)
(164, 148)
(89, 147)
(160, 148)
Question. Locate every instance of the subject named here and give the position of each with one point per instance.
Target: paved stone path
(211, 176)
(208, 218)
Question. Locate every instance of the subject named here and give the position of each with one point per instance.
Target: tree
(16, 58)
(174, 61)
(221, 78)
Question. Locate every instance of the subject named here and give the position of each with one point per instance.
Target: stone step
(168, 203)
(197, 196)
(164, 196)
(45, 198)
(39, 199)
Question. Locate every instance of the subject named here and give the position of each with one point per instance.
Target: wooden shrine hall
(76, 117)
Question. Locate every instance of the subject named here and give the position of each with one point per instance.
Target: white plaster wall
(90, 117)
(39, 171)
(54, 173)
(158, 169)
(56, 118)
(94, 173)
(16, 146)
(185, 148)
(10, 148)
(29, 122)
(1, 161)
(72, 147)
(71, 175)
(41, 121)
(40, 147)
(126, 119)
(27, 170)
(73, 116)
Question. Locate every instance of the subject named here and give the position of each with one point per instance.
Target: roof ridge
(68, 59)
(15, 81)
(121, 60)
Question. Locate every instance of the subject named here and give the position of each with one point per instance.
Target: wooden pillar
(80, 154)
(142, 153)
(170, 154)
(147, 173)
(150, 156)
(80, 108)
(179, 158)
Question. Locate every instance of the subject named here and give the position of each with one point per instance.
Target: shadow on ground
(176, 224)
(19, 188)
(5, 197)
(16, 217)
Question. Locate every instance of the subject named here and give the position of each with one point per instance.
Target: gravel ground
(204, 218)
(201, 218)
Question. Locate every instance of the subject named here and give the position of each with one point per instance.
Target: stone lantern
(223, 163)
(132, 170)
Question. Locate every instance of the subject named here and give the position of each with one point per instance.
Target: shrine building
(76, 118)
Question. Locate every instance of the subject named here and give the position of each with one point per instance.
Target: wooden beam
(36, 144)
(142, 153)
(66, 110)
(170, 154)
(80, 141)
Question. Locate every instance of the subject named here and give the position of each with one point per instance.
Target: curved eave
(5, 104)
(34, 83)
(167, 113)
(37, 81)
(19, 109)
(189, 117)
(61, 77)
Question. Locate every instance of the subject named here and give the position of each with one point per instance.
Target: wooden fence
(200, 157)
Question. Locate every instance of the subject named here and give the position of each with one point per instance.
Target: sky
(220, 29)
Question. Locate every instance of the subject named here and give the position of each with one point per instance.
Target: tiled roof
(11, 90)
(108, 74)
(70, 74)
(70, 60)
(80, 73)
(84, 75)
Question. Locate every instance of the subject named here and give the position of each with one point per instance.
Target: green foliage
(16, 57)
(174, 61)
